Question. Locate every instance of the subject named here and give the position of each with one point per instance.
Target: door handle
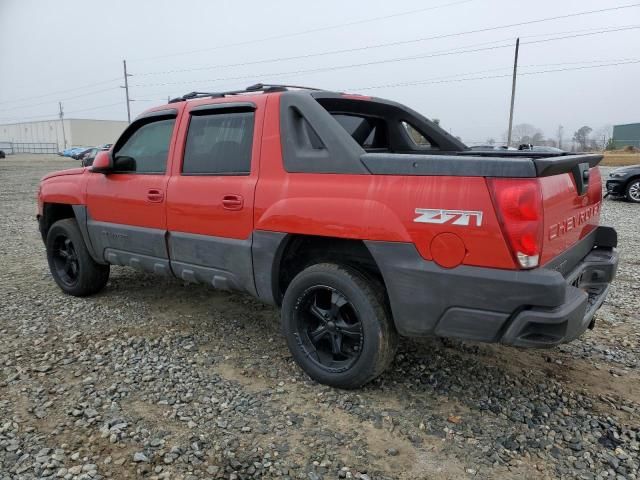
(232, 202)
(155, 195)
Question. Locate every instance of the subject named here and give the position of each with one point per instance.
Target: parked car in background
(71, 151)
(539, 148)
(625, 182)
(486, 148)
(79, 154)
(88, 156)
(67, 152)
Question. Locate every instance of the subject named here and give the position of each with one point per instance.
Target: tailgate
(571, 203)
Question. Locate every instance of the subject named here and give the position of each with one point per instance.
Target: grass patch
(619, 159)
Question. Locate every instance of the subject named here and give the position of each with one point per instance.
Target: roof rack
(258, 87)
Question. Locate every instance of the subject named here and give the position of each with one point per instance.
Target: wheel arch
(292, 253)
(53, 212)
(631, 179)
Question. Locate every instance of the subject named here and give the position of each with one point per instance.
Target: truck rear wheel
(337, 325)
(73, 269)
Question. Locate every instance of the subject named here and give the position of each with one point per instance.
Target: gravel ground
(157, 379)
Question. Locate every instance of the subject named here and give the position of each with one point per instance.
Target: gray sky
(53, 50)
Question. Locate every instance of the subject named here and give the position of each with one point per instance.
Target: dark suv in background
(625, 182)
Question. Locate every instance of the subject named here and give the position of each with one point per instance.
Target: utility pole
(126, 89)
(64, 135)
(560, 133)
(513, 91)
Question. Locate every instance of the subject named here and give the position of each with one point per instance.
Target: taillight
(518, 202)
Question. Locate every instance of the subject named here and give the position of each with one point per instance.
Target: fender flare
(82, 216)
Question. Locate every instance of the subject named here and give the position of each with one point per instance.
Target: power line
(20, 107)
(441, 53)
(31, 97)
(390, 44)
(435, 80)
(321, 69)
(580, 30)
(330, 52)
(306, 32)
(272, 60)
(96, 108)
(448, 79)
(404, 42)
(26, 119)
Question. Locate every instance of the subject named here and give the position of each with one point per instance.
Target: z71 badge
(454, 217)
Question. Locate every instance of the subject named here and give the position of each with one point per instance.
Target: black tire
(71, 266)
(367, 337)
(632, 193)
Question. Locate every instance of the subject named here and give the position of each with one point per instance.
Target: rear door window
(219, 144)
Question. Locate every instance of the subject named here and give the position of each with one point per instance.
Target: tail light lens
(518, 202)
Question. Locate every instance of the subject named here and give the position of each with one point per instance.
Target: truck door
(127, 220)
(210, 195)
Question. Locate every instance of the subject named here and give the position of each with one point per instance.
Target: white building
(49, 135)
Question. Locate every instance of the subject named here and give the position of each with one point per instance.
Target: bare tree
(581, 136)
(537, 139)
(603, 134)
(595, 144)
(526, 133)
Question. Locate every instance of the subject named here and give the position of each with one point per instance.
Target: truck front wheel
(73, 269)
(337, 325)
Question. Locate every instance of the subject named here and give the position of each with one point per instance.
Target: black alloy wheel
(65, 260)
(338, 325)
(328, 328)
(70, 262)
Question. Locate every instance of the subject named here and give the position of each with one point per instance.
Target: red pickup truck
(359, 217)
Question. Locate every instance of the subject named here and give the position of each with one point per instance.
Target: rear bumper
(586, 289)
(533, 308)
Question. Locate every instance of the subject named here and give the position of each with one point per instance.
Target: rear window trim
(219, 108)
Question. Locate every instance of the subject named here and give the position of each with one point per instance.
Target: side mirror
(103, 163)
(123, 163)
